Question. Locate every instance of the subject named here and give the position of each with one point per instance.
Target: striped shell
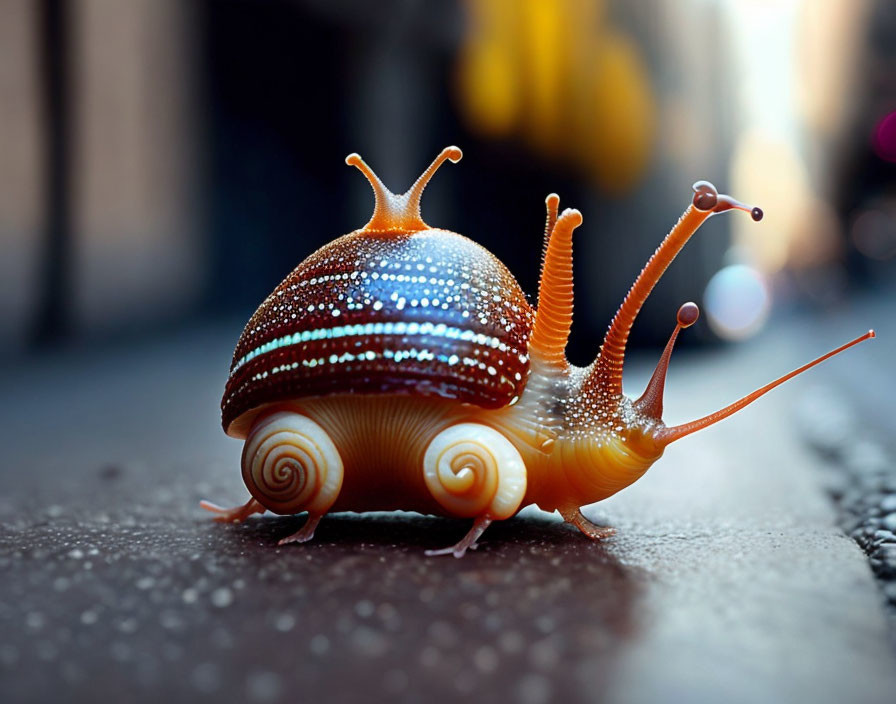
(425, 313)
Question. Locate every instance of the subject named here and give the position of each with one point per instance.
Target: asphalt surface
(728, 579)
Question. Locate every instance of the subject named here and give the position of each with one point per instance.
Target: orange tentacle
(612, 353)
(400, 213)
(553, 319)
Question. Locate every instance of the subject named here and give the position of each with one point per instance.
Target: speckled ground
(728, 580)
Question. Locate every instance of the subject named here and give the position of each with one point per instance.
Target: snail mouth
(601, 465)
(646, 443)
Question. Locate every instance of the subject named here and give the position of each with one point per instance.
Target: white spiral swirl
(473, 470)
(291, 465)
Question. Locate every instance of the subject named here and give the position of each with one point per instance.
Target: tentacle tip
(573, 215)
(453, 153)
(688, 314)
(705, 195)
(552, 201)
(353, 159)
(757, 214)
(871, 334)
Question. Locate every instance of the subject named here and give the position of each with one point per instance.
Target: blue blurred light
(737, 302)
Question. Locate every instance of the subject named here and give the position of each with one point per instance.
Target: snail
(401, 367)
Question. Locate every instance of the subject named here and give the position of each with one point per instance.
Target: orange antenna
(706, 202)
(400, 212)
(676, 432)
(553, 317)
(651, 402)
(552, 206)
(382, 195)
(415, 192)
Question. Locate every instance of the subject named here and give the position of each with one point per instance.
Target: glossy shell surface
(428, 313)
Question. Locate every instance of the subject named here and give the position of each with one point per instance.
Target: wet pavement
(728, 578)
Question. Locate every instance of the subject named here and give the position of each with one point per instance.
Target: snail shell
(427, 313)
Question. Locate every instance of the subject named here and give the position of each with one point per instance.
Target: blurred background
(166, 162)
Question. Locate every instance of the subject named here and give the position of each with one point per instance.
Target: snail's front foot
(593, 531)
(304, 534)
(237, 514)
(468, 542)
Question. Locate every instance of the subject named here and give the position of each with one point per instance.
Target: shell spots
(430, 313)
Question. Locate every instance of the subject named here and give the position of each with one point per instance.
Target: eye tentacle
(607, 373)
(651, 402)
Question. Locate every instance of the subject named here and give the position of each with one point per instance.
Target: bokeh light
(885, 137)
(737, 302)
(873, 233)
(561, 78)
(767, 171)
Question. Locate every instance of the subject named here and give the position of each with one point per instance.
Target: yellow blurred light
(619, 144)
(487, 79)
(555, 75)
(544, 60)
(767, 172)
(828, 35)
(489, 71)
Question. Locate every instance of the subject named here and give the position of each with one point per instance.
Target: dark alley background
(162, 162)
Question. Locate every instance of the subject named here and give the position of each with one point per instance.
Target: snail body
(402, 367)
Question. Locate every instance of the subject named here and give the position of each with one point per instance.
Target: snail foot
(468, 542)
(591, 530)
(237, 514)
(304, 534)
